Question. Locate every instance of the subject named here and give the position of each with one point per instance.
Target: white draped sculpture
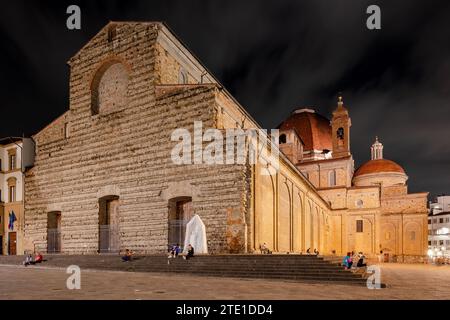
(196, 235)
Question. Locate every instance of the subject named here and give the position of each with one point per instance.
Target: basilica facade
(104, 181)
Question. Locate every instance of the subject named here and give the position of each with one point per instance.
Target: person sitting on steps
(361, 261)
(174, 251)
(264, 249)
(39, 258)
(28, 260)
(190, 252)
(347, 262)
(128, 256)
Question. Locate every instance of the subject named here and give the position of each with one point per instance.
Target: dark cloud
(273, 56)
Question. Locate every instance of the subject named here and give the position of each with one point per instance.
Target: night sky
(273, 56)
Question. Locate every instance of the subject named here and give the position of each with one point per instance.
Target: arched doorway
(54, 232)
(108, 224)
(180, 213)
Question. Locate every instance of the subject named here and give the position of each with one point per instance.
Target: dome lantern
(376, 150)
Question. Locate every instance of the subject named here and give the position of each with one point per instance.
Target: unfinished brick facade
(131, 87)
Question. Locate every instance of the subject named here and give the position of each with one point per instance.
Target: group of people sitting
(347, 262)
(30, 260)
(174, 251)
(264, 249)
(315, 252)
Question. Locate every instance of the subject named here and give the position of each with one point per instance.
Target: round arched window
(359, 203)
(109, 88)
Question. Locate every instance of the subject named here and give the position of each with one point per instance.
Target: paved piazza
(404, 282)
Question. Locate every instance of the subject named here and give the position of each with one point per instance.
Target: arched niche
(284, 219)
(109, 87)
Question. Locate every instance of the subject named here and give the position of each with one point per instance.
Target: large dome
(380, 171)
(378, 166)
(314, 129)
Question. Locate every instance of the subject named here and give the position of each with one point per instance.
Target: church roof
(313, 128)
(379, 166)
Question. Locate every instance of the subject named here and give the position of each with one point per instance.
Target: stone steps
(281, 267)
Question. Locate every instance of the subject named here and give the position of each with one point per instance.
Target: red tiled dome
(314, 129)
(377, 166)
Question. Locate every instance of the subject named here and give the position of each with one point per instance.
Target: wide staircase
(304, 268)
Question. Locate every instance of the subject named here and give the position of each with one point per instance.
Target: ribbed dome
(314, 129)
(378, 166)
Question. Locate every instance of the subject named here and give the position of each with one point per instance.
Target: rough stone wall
(127, 154)
(54, 131)
(411, 203)
(319, 172)
(363, 198)
(170, 68)
(112, 88)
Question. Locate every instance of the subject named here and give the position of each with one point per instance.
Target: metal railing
(53, 241)
(177, 232)
(108, 239)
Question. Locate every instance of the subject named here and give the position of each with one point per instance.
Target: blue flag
(12, 218)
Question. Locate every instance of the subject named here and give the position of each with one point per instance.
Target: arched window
(282, 139)
(359, 203)
(340, 133)
(109, 88)
(332, 178)
(182, 77)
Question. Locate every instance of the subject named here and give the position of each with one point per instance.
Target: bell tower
(340, 130)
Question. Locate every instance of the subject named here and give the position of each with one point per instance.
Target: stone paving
(404, 282)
